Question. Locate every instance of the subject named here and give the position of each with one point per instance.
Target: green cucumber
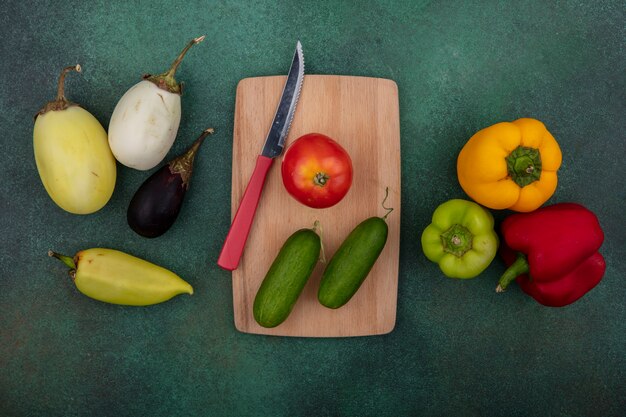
(286, 278)
(352, 262)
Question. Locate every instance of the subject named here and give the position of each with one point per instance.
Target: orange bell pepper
(510, 165)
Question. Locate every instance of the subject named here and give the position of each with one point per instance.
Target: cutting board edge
(387, 80)
(317, 336)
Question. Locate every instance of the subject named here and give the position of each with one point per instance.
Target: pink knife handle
(238, 233)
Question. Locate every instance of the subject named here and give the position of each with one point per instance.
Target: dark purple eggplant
(156, 204)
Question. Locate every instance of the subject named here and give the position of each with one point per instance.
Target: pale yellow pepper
(510, 165)
(116, 277)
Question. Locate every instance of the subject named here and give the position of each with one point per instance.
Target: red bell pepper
(553, 253)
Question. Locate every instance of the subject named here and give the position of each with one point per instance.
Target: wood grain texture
(362, 115)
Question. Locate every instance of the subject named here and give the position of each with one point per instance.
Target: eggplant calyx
(60, 103)
(183, 164)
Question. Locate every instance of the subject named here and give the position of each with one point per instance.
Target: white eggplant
(144, 125)
(145, 121)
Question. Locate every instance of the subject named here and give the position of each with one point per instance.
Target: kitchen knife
(274, 144)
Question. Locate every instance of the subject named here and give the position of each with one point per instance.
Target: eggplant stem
(196, 144)
(183, 164)
(170, 73)
(61, 85)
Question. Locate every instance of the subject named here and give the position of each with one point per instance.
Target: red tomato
(317, 171)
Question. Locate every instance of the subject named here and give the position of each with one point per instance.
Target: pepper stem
(457, 240)
(61, 85)
(65, 259)
(517, 268)
(389, 209)
(524, 165)
(170, 73)
(183, 164)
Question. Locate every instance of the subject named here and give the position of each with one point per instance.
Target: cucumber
(352, 262)
(286, 278)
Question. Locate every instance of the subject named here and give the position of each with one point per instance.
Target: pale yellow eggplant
(72, 153)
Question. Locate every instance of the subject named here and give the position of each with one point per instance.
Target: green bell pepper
(460, 239)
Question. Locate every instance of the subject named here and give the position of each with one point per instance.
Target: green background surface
(458, 348)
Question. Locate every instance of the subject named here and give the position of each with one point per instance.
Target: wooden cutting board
(362, 115)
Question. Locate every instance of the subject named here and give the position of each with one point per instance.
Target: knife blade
(274, 143)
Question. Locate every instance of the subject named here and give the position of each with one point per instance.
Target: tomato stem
(320, 179)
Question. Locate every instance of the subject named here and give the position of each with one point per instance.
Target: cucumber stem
(317, 228)
(389, 209)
